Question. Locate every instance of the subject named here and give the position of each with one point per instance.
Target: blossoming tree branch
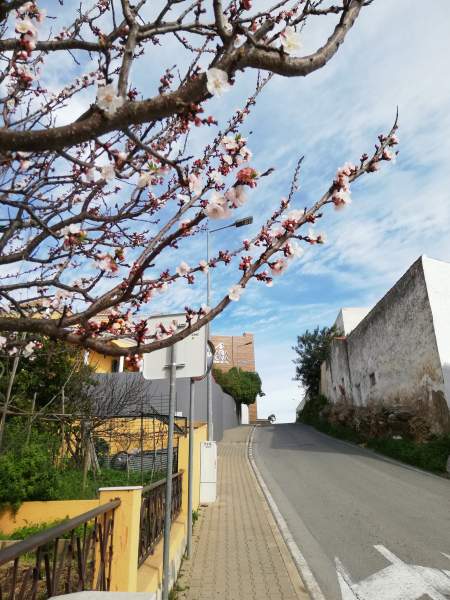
(98, 187)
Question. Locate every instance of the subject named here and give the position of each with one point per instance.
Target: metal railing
(73, 556)
(152, 513)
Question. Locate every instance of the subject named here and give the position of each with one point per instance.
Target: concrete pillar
(127, 517)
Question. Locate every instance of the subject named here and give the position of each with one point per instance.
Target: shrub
(241, 385)
(431, 455)
(26, 475)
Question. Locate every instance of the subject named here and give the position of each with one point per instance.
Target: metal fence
(152, 461)
(73, 556)
(152, 513)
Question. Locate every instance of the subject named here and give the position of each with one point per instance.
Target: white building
(397, 353)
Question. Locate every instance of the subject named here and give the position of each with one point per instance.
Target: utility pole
(209, 376)
(168, 501)
(209, 411)
(190, 467)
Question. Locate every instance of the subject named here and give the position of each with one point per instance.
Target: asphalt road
(340, 500)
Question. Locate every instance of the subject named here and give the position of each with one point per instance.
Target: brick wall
(236, 351)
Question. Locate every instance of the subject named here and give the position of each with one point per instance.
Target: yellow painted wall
(124, 435)
(200, 435)
(43, 512)
(150, 573)
(100, 363)
(125, 575)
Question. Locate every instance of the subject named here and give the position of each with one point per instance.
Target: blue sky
(396, 54)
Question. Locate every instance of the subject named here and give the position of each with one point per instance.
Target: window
(372, 379)
(115, 366)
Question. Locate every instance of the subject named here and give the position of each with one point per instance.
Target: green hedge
(430, 456)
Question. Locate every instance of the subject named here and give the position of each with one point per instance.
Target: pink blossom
(248, 176)
(389, 155)
(278, 267)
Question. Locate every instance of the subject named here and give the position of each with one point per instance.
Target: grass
(22, 533)
(69, 483)
(429, 456)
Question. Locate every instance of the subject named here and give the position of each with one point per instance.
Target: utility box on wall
(208, 472)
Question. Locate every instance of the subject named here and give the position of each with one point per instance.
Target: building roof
(349, 318)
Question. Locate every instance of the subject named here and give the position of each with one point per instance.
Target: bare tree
(90, 208)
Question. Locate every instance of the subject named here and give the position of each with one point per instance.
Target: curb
(299, 560)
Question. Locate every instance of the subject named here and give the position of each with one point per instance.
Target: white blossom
(295, 215)
(295, 250)
(108, 172)
(72, 229)
(217, 82)
(236, 196)
(204, 266)
(3, 341)
(216, 176)
(108, 100)
(183, 269)
(29, 349)
(195, 184)
(235, 292)
(91, 174)
(26, 26)
(217, 211)
(290, 40)
(144, 180)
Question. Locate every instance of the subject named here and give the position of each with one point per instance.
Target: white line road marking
(305, 572)
(398, 581)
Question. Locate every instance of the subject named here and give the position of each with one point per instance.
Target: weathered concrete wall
(392, 354)
(337, 383)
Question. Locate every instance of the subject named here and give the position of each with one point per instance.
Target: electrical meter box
(208, 472)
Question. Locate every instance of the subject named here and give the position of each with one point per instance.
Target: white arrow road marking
(398, 581)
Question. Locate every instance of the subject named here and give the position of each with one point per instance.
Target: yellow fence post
(127, 518)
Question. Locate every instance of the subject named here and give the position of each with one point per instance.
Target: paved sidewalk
(239, 553)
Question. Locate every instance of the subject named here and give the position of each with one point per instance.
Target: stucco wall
(393, 355)
(337, 374)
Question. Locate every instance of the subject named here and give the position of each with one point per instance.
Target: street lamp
(237, 223)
